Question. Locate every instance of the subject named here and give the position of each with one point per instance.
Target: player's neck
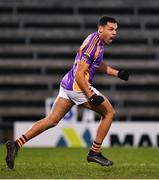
(101, 38)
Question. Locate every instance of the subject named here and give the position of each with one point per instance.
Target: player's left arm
(122, 74)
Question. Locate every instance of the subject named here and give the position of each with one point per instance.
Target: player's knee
(111, 112)
(52, 122)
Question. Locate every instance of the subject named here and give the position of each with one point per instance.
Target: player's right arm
(87, 51)
(82, 72)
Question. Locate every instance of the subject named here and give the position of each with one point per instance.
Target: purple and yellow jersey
(91, 51)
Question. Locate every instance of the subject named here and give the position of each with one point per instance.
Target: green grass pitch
(62, 163)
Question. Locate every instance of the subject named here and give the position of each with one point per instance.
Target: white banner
(77, 134)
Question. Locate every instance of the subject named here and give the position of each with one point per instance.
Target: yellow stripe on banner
(72, 137)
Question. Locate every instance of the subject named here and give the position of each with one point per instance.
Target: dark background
(38, 43)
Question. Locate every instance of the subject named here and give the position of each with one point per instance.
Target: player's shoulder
(92, 38)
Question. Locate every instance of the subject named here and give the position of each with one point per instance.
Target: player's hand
(96, 100)
(124, 75)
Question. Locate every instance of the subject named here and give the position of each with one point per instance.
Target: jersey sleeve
(89, 50)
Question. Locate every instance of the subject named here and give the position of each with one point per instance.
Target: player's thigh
(60, 107)
(103, 109)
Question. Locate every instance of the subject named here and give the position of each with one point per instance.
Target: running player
(76, 89)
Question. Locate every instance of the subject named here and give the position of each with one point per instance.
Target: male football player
(76, 89)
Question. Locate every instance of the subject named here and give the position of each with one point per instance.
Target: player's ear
(100, 29)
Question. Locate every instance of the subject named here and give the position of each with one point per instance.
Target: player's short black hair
(104, 19)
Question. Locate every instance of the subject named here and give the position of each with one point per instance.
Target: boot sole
(95, 161)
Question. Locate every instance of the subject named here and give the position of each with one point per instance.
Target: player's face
(108, 32)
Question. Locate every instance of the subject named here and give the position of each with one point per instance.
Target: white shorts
(77, 97)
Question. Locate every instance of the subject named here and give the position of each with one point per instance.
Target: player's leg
(59, 109)
(107, 113)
